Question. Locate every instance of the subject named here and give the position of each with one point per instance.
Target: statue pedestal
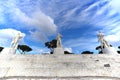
(109, 50)
(58, 50)
(8, 51)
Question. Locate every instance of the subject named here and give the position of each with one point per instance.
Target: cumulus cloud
(68, 49)
(38, 36)
(7, 35)
(33, 20)
(37, 20)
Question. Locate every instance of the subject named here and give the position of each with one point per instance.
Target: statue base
(109, 50)
(8, 51)
(58, 51)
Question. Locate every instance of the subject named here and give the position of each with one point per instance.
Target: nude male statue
(14, 43)
(102, 40)
(59, 42)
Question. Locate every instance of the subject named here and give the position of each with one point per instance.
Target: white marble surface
(58, 50)
(60, 65)
(8, 51)
(110, 50)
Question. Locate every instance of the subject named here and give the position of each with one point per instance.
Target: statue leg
(16, 46)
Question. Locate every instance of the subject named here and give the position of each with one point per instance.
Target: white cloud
(82, 44)
(100, 13)
(45, 22)
(42, 24)
(68, 49)
(112, 38)
(7, 35)
(115, 4)
(37, 20)
(34, 19)
(38, 36)
(96, 4)
(39, 50)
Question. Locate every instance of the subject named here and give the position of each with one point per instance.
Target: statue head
(20, 35)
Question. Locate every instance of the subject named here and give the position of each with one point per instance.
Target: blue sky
(77, 20)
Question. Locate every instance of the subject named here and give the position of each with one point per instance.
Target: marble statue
(105, 46)
(59, 42)
(101, 39)
(14, 43)
(13, 47)
(59, 49)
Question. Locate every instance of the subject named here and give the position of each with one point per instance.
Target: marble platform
(60, 67)
(58, 51)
